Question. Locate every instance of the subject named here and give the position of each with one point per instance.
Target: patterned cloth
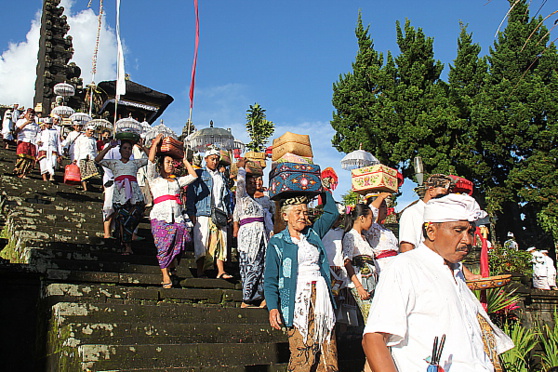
(88, 169)
(308, 355)
(127, 219)
(26, 153)
(251, 273)
(170, 239)
(364, 265)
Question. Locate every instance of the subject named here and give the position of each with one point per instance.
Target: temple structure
(55, 51)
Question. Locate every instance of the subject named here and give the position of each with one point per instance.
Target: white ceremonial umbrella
(128, 125)
(150, 135)
(101, 124)
(358, 159)
(64, 89)
(63, 111)
(80, 118)
(218, 137)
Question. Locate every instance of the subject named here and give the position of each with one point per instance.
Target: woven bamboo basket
(489, 282)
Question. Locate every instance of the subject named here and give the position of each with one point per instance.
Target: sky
(284, 55)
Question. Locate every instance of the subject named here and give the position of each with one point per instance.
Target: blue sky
(284, 55)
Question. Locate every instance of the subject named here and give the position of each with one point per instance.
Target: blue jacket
(281, 267)
(198, 195)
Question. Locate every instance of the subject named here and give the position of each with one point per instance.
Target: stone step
(141, 279)
(66, 313)
(36, 255)
(159, 332)
(103, 357)
(106, 293)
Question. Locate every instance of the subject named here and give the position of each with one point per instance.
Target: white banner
(120, 74)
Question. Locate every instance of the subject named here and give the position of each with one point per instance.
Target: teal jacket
(281, 267)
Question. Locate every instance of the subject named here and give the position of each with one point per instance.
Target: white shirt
(333, 245)
(29, 133)
(85, 148)
(168, 210)
(217, 190)
(410, 225)
(354, 245)
(50, 141)
(418, 298)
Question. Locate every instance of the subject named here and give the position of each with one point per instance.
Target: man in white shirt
(410, 224)
(423, 295)
(50, 150)
(207, 192)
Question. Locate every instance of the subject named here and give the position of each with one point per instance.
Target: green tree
(518, 134)
(357, 96)
(258, 127)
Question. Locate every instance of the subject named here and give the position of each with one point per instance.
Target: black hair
(358, 211)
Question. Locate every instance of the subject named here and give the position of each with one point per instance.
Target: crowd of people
(345, 267)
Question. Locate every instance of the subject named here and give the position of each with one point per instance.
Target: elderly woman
(297, 286)
(168, 224)
(26, 131)
(127, 197)
(252, 238)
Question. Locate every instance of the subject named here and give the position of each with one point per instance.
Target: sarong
(170, 239)
(88, 169)
(47, 161)
(127, 218)
(251, 273)
(310, 356)
(26, 153)
(210, 242)
(367, 277)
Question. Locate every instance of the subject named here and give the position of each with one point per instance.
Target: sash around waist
(246, 221)
(163, 198)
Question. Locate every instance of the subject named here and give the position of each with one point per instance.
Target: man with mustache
(423, 295)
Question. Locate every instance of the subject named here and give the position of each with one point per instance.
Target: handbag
(218, 216)
(72, 173)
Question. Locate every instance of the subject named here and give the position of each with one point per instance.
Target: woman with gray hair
(297, 286)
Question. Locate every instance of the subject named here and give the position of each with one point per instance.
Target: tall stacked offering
(294, 172)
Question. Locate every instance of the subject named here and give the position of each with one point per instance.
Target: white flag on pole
(120, 74)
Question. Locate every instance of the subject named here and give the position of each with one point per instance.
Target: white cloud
(18, 62)
(17, 68)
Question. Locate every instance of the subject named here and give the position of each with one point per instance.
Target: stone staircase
(96, 310)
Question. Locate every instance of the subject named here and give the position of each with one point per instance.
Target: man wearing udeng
(423, 295)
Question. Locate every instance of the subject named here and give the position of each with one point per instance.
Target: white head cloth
(212, 151)
(530, 249)
(56, 116)
(544, 251)
(92, 127)
(453, 207)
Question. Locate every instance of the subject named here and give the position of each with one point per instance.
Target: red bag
(72, 173)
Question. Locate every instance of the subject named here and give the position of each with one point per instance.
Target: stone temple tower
(55, 51)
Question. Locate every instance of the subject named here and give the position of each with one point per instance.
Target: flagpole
(95, 54)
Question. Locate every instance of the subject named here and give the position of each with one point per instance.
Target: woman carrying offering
(359, 257)
(252, 238)
(167, 215)
(127, 198)
(383, 242)
(298, 288)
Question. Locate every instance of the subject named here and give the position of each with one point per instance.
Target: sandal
(127, 253)
(225, 276)
(166, 285)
